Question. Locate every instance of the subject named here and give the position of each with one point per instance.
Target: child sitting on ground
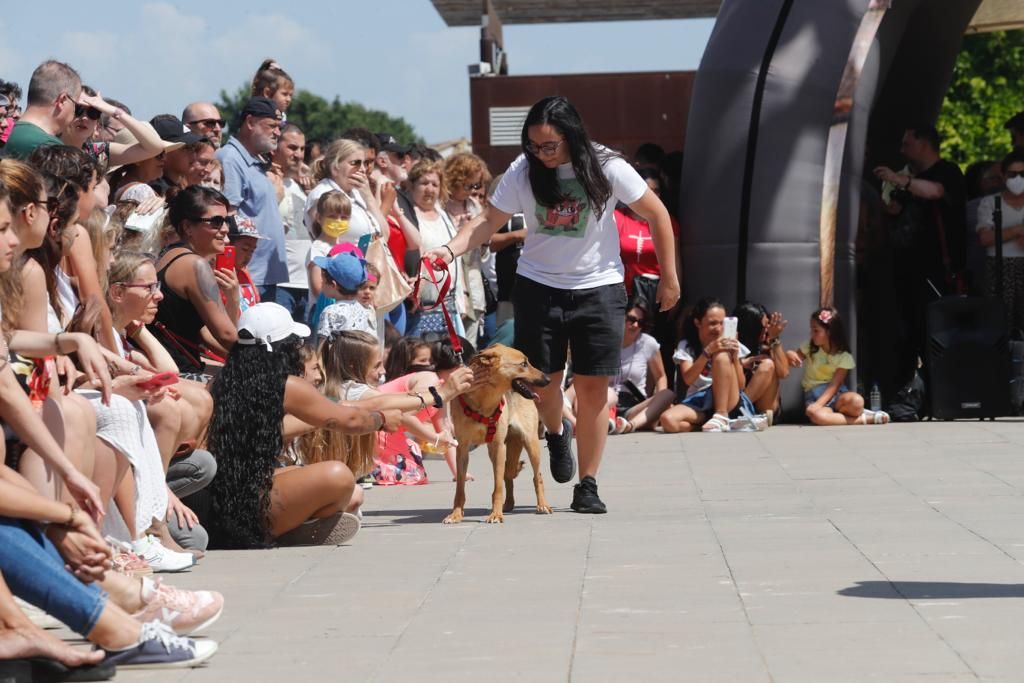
(827, 361)
(343, 275)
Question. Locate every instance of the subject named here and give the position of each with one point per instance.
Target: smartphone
(729, 328)
(226, 260)
(158, 381)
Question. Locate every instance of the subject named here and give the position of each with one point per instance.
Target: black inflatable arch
(762, 106)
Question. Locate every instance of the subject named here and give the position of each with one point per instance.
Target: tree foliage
(985, 92)
(320, 119)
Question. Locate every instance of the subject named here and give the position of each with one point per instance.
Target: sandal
(717, 423)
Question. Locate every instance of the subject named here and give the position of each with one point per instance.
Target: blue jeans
(35, 573)
(294, 300)
(267, 292)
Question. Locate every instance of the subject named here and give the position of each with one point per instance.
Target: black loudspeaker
(968, 358)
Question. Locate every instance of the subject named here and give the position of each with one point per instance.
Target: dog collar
(489, 421)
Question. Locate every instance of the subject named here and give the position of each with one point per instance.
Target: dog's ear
(485, 359)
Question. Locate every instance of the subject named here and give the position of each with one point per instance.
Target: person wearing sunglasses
(633, 404)
(144, 143)
(192, 316)
(569, 294)
(202, 118)
(53, 92)
(464, 174)
(1011, 208)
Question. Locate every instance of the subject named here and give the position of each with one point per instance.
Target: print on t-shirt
(569, 217)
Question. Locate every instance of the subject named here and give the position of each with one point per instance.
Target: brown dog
(501, 413)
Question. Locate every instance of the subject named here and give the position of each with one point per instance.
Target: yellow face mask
(335, 227)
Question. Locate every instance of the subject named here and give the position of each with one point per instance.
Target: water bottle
(876, 398)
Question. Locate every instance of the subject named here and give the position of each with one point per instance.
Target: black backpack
(909, 403)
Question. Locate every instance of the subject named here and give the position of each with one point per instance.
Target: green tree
(985, 92)
(320, 119)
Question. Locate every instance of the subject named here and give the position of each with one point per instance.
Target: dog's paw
(544, 510)
(495, 518)
(508, 505)
(454, 518)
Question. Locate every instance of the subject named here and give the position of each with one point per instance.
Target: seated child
(827, 361)
(343, 275)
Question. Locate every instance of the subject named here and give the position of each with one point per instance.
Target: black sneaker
(584, 498)
(563, 462)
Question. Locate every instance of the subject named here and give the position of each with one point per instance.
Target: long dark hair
(245, 437)
(401, 354)
(62, 198)
(829, 319)
(690, 332)
(586, 160)
(750, 324)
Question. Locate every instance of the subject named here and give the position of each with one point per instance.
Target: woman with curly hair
(255, 502)
(464, 174)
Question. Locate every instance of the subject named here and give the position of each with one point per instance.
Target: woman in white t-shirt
(636, 405)
(569, 294)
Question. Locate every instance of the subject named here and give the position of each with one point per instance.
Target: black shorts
(587, 322)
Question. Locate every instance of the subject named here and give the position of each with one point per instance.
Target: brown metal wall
(621, 110)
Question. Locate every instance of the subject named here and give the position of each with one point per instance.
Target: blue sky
(395, 55)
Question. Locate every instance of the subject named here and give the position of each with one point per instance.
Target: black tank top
(177, 324)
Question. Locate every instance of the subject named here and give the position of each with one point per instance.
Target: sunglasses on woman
(215, 222)
(633, 320)
(84, 110)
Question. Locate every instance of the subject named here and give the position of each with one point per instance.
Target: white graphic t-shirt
(569, 246)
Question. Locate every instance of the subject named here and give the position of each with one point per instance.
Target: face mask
(335, 227)
(1015, 185)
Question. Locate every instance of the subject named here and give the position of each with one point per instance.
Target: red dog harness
(489, 421)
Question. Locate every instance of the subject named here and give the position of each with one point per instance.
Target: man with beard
(248, 188)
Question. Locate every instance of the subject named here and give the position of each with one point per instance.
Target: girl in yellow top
(827, 361)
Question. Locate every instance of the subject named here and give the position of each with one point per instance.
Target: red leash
(442, 293)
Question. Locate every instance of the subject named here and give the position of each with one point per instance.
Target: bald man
(204, 119)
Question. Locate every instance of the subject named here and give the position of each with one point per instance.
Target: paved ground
(800, 554)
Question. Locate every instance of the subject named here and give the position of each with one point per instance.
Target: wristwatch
(438, 401)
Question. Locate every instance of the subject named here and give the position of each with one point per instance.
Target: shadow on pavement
(434, 516)
(930, 590)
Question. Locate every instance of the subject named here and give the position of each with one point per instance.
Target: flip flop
(46, 670)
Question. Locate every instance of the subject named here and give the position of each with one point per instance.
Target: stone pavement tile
(816, 601)
(856, 651)
(693, 652)
(985, 632)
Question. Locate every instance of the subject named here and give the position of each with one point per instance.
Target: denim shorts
(704, 402)
(588, 322)
(815, 392)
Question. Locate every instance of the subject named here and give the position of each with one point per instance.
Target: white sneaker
(160, 558)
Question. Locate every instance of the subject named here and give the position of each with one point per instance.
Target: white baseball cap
(267, 323)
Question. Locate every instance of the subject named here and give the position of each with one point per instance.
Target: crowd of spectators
(218, 333)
